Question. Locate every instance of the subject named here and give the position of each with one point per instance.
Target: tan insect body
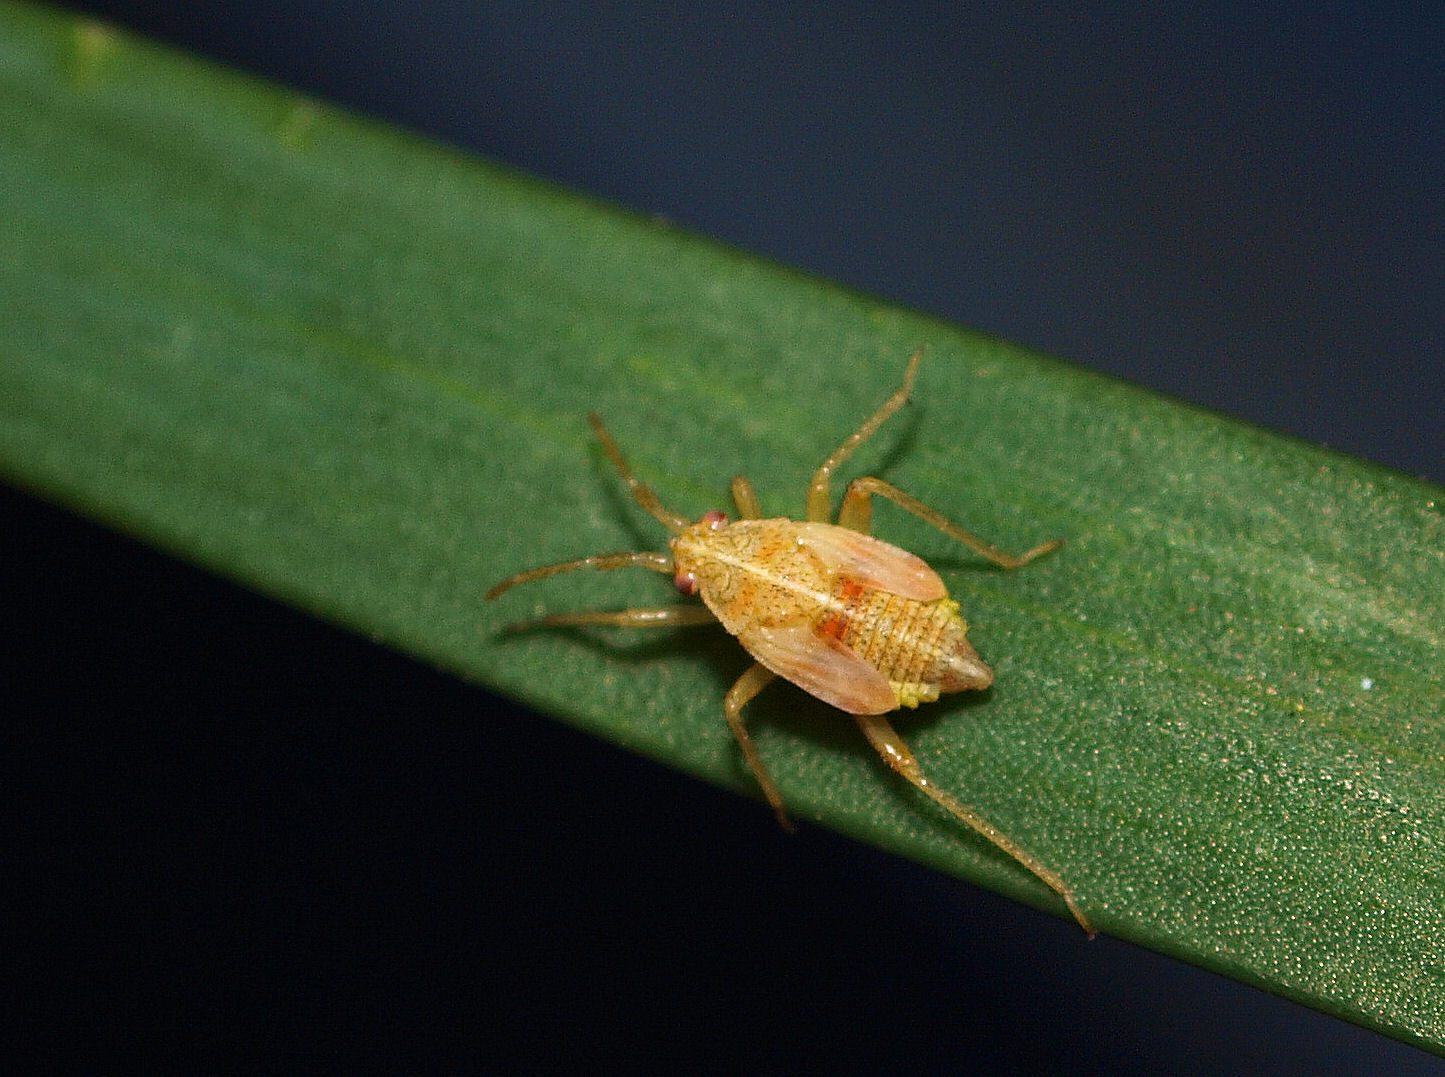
(853, 620)
(861, 624)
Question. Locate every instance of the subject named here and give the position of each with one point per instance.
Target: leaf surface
(351, 368)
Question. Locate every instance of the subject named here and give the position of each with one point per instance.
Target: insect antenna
(674, 522)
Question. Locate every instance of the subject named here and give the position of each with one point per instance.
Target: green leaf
(351, 368)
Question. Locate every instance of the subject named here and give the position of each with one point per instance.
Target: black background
(244, 835)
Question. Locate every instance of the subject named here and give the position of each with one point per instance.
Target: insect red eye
(714, 518)
(685, 582)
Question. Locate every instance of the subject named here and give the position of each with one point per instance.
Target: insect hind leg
(896, 754)
(856, 514)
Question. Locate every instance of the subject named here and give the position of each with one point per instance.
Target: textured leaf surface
(351, 368)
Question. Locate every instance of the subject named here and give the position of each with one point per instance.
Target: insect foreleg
(606, 562)
(896, 753)
(746, 499)
(857, 511)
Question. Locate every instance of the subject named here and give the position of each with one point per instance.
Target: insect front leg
(746, 499)
(896, 753)
(856, 514)
(819, 498)
(739, 696)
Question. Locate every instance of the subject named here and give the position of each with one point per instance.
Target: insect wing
(872, 562)
(822, 667)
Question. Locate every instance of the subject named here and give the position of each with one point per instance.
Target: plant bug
(857, 622)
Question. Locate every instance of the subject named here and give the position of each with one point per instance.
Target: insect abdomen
(920, 647)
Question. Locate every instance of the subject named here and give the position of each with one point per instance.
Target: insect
(857, 622)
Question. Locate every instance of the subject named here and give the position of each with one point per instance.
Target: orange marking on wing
(823, 668)
(834, 624)
(872, 561)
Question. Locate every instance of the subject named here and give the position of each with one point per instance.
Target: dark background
(247, 835)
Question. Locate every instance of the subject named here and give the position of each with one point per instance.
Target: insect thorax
(754, 572)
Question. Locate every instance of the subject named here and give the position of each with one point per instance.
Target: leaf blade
(351, 369)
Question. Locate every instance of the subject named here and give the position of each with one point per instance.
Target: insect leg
(650, 617)
(739, 695)
(895, 752)
(606, 562)
(746, 499)
(819, 508)
(857, 511)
